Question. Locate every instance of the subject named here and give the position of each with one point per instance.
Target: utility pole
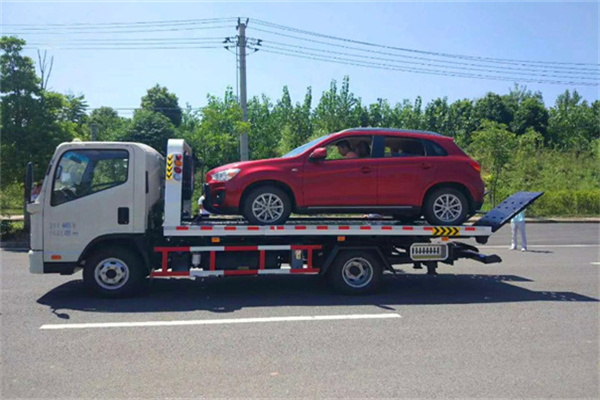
(243, 100)
(94, 132)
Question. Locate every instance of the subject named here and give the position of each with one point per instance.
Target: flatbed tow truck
(122, 213)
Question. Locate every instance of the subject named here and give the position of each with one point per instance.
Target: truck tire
(446, 206)
(114, 272)
(267, 205)
(356, 272)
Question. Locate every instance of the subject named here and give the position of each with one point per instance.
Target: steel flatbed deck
(219, 227)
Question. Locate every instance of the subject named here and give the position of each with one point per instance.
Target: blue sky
(565, 32)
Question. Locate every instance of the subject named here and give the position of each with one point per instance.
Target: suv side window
(396, 146)
(433, 149)
(84, 172)
(359, 147)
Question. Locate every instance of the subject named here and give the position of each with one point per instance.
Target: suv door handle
(426, 165)
(365, 170)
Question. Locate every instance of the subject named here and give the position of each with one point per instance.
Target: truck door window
(83, 172)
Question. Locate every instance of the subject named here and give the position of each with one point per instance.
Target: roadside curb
(14, 245)
(558, 220)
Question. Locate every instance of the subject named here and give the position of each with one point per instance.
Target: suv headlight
(224, 176)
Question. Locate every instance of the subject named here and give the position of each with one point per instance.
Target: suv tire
(446, 206)
(267, 205)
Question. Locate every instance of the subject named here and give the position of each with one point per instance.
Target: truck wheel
(446, 206)
(356, 272)
(114, 272)
(267, 205)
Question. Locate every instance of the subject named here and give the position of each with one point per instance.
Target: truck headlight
(224, 176)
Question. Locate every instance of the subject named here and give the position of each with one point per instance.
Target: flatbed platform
(342, 227)
(213, 226)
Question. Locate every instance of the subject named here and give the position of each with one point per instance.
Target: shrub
(12, 230)
(11, 199)
(568, 202)
(7, 228)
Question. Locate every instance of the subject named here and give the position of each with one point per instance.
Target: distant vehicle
(394, 172)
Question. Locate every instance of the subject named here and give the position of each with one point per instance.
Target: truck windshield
(301, 149)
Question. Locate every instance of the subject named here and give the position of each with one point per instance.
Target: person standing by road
(518, 224)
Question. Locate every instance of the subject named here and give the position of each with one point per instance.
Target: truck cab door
(89, 194)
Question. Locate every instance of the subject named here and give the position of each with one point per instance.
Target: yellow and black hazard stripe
(446, 231)
(169, 174)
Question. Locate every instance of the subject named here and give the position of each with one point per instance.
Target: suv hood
(255, 163)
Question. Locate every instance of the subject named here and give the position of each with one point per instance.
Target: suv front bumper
(214, 201)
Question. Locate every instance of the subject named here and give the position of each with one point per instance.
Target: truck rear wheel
(114, 272)
(356, 272)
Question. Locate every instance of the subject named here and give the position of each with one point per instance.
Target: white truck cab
(93, 193)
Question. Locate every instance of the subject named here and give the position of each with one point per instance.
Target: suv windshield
(299, 150)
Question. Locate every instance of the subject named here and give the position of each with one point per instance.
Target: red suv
(401, 173)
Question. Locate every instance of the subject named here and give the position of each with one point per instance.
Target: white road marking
(219, 321)
(543, 246)
(595, 263)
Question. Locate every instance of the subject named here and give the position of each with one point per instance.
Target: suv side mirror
(318, 154)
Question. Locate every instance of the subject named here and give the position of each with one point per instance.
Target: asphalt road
(527, 327)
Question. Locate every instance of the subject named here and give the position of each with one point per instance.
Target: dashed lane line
(144, 324)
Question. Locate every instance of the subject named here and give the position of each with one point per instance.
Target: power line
(100, 24)
(117, 31)
(337, 60)
(559, 69)
(555, 68)
(432, 53)
(142, 43)
(128, 48)
(118, 40)
(460, 68)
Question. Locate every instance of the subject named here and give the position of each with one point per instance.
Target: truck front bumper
(36, 261)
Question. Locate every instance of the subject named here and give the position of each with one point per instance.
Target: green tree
(409, 115)
(573, 123)
(159, 99)
(33, 120)
(528, 110)
(437, 116)
(20, 90)
(493, 146)
(492, 107)
(265, 133)
(109, 125)
(151, 128)
(216, 140)
(531, 114)
(335, 110)
(379, 114)
(296, 123)
(463, 122)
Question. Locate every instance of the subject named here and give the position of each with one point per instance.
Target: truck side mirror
(319, 154)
